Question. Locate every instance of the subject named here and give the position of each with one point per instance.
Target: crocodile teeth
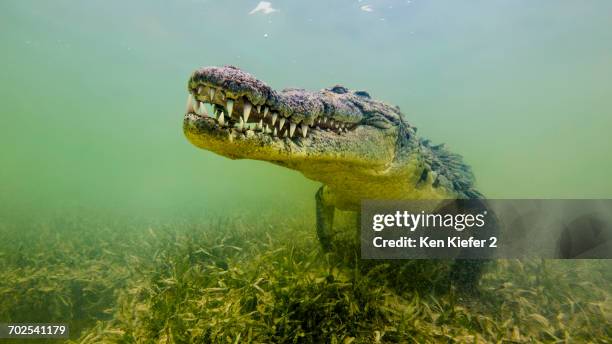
(221, 119)
(274, 132)
(201, 108)
(281, 123)
(291, 129)
(211, 94)
(274, 115)
(258, 108)
(304, 129)
(196, 106)
(189, 103)
(265, 113)
(241, 124)
(246, 111)
(230, 107)
(260, 124)
(200, 89)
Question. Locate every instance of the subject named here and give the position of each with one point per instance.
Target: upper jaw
(239, 104)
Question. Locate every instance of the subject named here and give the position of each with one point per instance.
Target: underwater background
(106, 209)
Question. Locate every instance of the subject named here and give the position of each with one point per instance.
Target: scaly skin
(357, 147)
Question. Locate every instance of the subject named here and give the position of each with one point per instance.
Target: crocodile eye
(379, 122)
(339, 89)
(362, 94)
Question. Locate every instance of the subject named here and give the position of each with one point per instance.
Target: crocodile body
(357, 147)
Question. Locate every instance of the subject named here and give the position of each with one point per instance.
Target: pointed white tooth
(281, 123)
(211, 93)
(291, 129)
(260, 125)
(196, 106)
(265, 113)
(190, 104)
(200, 88)
(246, 111)
(304, 129)
(266, 129)
(221, 118)
(274, 115)
(241, 124)
(274, 132)
(258, 108)
(230, 107)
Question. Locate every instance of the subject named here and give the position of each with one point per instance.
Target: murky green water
(93, 94)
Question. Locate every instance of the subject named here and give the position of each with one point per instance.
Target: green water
(93, 93)
(92, 96)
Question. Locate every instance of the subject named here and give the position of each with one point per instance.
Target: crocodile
(357, 147)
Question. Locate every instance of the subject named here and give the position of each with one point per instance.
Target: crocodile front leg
(325, 219)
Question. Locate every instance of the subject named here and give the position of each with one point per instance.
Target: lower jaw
(209, 129)
(233, 143)
(206, 133)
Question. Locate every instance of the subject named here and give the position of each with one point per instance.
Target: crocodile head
(328, 135)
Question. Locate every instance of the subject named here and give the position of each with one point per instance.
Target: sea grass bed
(235, 281)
